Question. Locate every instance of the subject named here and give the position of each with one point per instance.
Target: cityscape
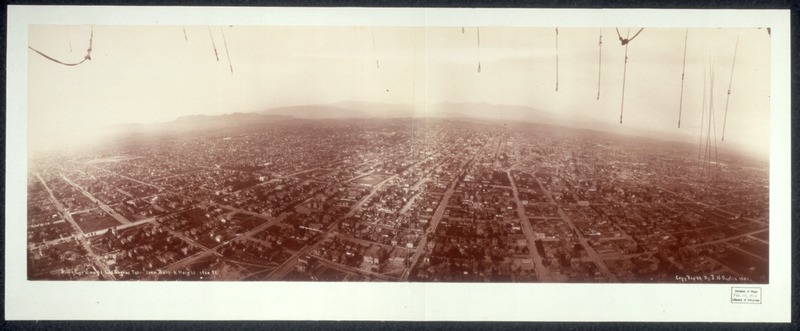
(419, 200)
(398, 154)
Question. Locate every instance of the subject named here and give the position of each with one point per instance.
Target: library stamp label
(746, 295)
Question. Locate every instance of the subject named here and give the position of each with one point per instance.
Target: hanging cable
(374, 49)
(186, 38)
(213, 44)
(228, 54)
(624, 75)
(707, 154)
(599, 61)
(712, 127)
(69, 40)
(414, 75)
(88, 55)
(683, 74)
(713, 114)
(624, 42)
(479, 50)
(702, 123)
(707, 157)
(730, 82)
(556, 59)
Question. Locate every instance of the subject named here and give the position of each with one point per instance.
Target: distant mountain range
(342, 110)
(364, 110)
(480, 111)
(201, 122)
(222, 121)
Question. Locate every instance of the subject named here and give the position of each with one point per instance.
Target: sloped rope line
(624, 75)
(683, 75)
(556, 59)
(214, 44)
(479, 50)
(730, 83)
(228, 54)
(702, 124)
(599, 62)
(713, 117)
(375, 49)
(625, 42)
(88, 55)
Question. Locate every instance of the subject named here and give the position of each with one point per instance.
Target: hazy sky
(141, 74)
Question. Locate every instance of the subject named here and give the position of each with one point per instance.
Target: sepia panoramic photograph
(398, 154)
(397, 164)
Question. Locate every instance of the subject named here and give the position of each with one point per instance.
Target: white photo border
(58, 300)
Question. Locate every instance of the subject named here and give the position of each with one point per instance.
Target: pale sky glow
(143, 74)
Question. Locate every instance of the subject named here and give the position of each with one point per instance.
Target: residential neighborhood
(399, 200)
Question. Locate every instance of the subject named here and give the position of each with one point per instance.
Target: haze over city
(148, 74)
